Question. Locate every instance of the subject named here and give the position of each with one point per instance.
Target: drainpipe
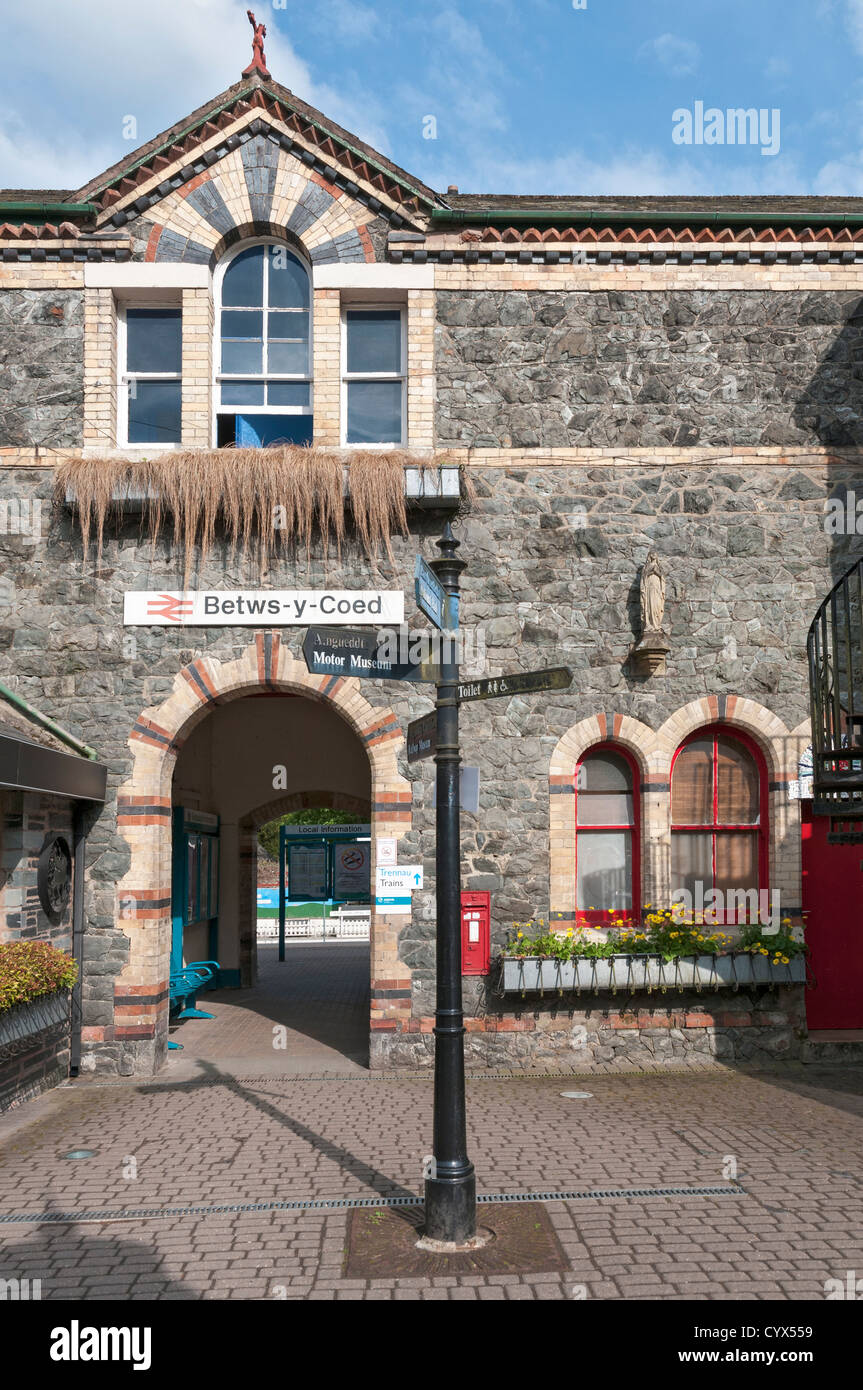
(46, 723)
(79, 838)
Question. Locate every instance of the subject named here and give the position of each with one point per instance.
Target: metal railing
(835, 652)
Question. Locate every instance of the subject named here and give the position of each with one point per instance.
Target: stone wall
(554, 553)
(627, 1032)
(640, 369)
(26, 818)
(41, 367)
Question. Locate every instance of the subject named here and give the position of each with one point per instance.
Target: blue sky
(530, 97)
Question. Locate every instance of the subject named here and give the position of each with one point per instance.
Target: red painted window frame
(601, 917)
(724, 731)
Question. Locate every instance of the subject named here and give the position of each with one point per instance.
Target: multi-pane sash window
(717, 823)
(606, 844)
(374, 376)
(264, 365)
(151, 343)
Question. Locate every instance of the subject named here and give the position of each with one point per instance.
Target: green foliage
(778, 946)
(31, 969)
(268, 835)
(662, 932)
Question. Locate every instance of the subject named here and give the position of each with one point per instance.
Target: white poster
(307, 873)
(352, 870)
(264, 608)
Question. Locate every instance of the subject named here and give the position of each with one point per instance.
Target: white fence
(344, 924)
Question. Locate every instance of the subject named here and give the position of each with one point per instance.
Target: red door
(833, 898)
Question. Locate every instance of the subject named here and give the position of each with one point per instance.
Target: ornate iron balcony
(835, 650)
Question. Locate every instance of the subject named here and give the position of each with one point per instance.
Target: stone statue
(652, 595)
(651, 651)
(259, 62)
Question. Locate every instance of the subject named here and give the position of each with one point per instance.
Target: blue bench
(183, 986)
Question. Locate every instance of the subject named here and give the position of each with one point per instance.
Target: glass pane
(692, 785)
(374, 340)
(242, 357)
(691, 862)
(288, 357)
(242, 393)
(155, 410)
(605, 808)
(604, 864)
(204, 853)
(287, 324)
(154, 340)
(214, 878)
(192, 899)
(288, 393)
(604, 772)
(738, 784)
(238, 323)
(737, 860)
(260, 431)
(289, 281)
(374, 412)
(243, 282)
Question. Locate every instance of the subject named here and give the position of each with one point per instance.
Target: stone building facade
(608, 376)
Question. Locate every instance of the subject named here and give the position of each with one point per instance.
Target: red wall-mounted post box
(475, 933)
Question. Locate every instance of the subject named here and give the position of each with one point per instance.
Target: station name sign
(263, 607)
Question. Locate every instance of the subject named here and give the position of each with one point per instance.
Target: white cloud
(777, 69)
(96, 63)
(349, 22)
(841, 178)
(677, 56)
(854, 18)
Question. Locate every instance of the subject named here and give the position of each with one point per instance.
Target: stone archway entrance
(144, 819)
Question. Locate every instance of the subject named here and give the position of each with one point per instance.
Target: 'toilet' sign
(263, 607)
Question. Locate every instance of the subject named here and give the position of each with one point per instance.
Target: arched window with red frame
(607, 835)
(719, 820)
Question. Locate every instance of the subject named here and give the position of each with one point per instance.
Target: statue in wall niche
(650, 652)
(652, 595)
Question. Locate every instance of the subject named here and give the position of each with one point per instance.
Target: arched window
(606, 837)
(718, 815)
(263, 360)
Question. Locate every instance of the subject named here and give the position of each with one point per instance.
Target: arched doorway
(145, 804)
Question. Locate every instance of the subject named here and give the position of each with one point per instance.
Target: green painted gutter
(513, 216)
(42, 719)
(47, 210)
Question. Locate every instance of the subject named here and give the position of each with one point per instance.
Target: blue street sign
(432, 597)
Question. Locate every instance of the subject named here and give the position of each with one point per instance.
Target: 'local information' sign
(264, 608)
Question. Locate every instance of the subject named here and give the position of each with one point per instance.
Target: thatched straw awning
(265, 499)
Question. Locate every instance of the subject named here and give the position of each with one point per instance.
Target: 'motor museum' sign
(254, 607)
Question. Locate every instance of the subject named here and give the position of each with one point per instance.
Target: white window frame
(379, 306)
(125, 377)
(265, 379)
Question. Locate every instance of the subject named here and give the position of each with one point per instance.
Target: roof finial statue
(259, 62)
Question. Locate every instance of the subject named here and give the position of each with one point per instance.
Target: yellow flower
(520, 935)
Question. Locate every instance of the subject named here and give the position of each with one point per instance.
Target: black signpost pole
(450, 1193)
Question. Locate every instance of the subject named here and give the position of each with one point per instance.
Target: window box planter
(531, 975)
(21, 1026)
